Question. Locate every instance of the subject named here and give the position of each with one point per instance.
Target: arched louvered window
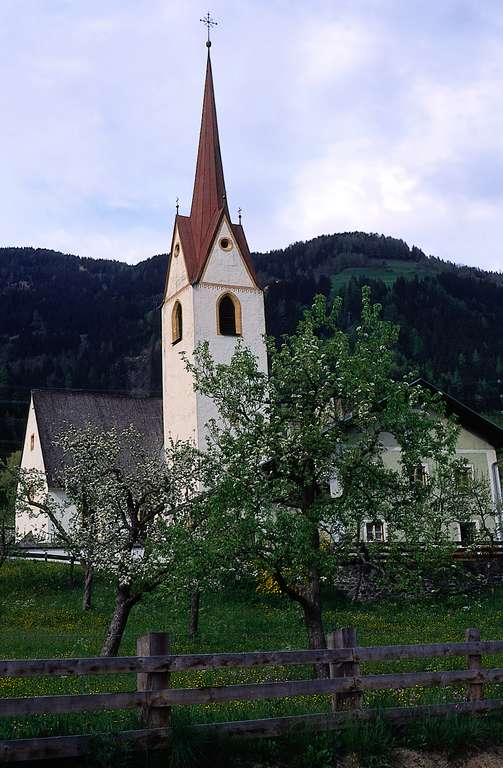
(176, 323)
(229, 315)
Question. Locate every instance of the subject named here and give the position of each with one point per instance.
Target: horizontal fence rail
(203, 661)
(155, 696)
(38, 705)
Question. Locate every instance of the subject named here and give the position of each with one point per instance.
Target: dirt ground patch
(491, 759)
(405, 758)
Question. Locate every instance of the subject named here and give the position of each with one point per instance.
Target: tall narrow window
(32, 442)
(467, 533)
(464, 475)
(229, 316)
(375, 531)
(419, 474)
(176, 323)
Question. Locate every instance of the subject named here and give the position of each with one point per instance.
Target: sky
(372, 115)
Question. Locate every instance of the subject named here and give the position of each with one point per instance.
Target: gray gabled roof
(468, 418)
(57, 410)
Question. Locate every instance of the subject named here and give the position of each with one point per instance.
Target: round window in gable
(226, 244)
(177, 250)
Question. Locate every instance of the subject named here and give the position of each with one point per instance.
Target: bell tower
(211, 290)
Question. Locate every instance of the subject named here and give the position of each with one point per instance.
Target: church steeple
(209, 207)
(212, 294)
(209, 197)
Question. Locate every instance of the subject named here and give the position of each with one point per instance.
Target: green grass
(40, 617)
(388, 271)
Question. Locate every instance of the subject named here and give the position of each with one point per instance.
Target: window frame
(425, 474)
(176, 323)
(474, 527)
(373, 525)
(465, 475)
(237, 314)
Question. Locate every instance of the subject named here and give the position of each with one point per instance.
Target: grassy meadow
(40, 616)
(387, 270)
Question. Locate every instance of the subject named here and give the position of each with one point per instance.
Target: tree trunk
(313, 620)
(88, 588)
(124, 601)
(195, 599)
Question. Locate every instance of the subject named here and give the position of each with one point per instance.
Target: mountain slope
(67, 321)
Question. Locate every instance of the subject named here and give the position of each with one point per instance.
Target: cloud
(369, 115)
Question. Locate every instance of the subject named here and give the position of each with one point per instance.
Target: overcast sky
(376, 115)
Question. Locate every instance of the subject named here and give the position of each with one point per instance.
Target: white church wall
(179, 399)
(32, 458)
(40, 527)
(185, 412)
(226, 272)
(226, 266)
(206, 299)
(177, 278)
(68, 510)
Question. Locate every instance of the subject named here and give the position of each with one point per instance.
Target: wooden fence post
(475, 691)
(334, 640)
(153, 644)
(352, 668)
(344, 638)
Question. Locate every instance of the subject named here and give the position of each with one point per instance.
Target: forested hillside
(72, 322)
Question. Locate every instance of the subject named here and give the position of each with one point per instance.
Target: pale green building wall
(475, 450)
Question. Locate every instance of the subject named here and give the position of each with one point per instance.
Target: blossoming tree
(128, 514)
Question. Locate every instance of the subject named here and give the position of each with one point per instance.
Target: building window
(226, 244)
(176, 323)
(467, 533)
(464, 475)
(374, 531)
(228, 316)
(32, 442)
(419, 474)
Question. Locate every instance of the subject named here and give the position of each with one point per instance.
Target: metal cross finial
(209, 22)
(240, 211)
(177, 204)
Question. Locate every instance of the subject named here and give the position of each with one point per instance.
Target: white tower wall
(186, 413)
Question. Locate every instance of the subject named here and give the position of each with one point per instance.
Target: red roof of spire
(209, 202)
(209, 185)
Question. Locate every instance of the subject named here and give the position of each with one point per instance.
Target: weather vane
(240, 211)
(177, 204)
(209, 22)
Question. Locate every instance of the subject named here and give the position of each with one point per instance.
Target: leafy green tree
(296, 457)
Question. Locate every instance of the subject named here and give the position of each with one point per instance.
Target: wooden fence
(155, 696)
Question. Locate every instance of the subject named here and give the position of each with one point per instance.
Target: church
(211, 294)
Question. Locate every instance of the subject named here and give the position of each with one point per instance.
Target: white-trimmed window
(374, 530)
(229, 315)
(467, 532)
(176, 323)
(419, 473)
(464, 475)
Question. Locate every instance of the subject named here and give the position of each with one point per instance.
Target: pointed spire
(209, 201)
(209, 186)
